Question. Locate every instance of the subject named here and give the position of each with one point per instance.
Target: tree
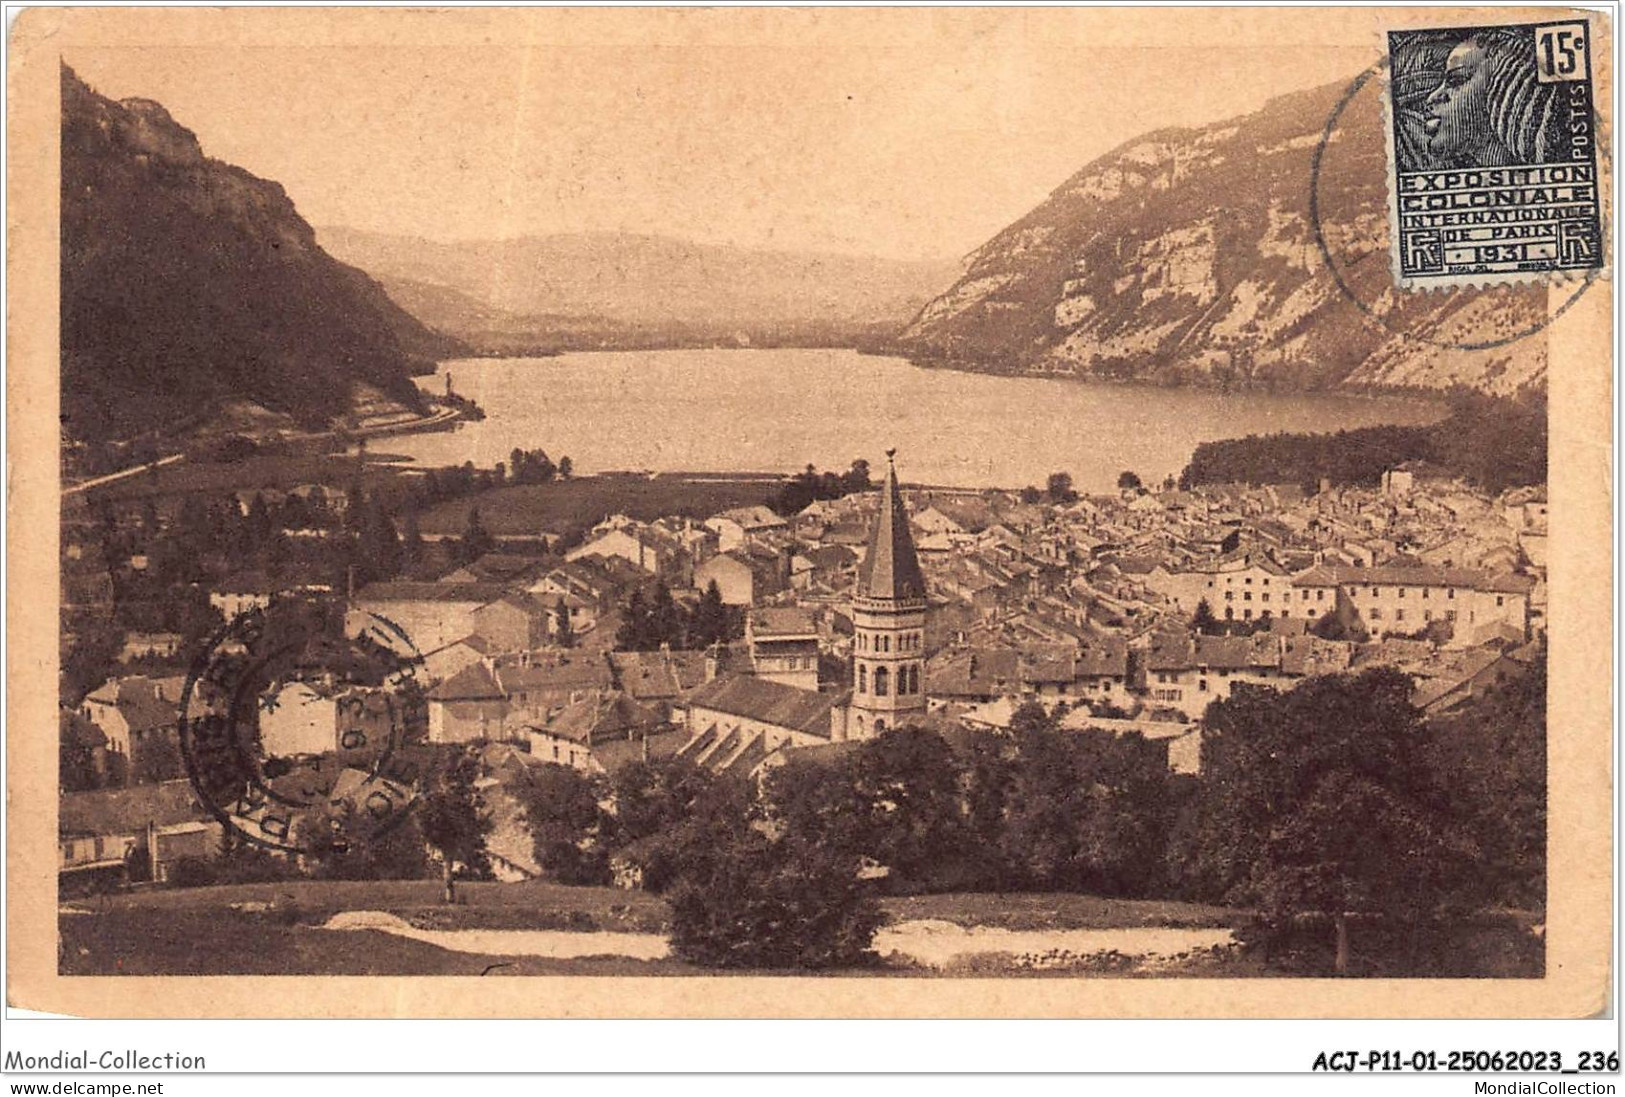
(1084, 810)
(1030, 494)
(357, 849)
(570, 832)
(750, 901)
(476, 541)
(1128, 481)
(1490, 756)
(452, 817)
(563, 633)
(1319, 803)
(378, 546)
(667, 814)
(665, 622)
(907, 783)
(412, 539)
(89, 662)
(709, 624)
(857, 477)
(157, 759)
(632, 635)
(567, 467)
(1059, 488)
(1204, 621)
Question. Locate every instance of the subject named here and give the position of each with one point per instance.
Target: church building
(888, 619)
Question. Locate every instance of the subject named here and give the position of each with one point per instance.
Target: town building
(783, 645)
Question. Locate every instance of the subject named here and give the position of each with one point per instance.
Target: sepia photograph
(681, 498)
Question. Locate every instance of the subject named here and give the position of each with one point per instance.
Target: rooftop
(767, 702)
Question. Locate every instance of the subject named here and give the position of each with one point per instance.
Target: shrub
(191, 872)
(761, 903)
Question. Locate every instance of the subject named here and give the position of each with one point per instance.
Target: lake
(779, 410)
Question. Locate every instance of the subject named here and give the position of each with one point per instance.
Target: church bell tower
(888, 618)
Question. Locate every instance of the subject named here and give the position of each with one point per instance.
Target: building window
(1449, 615)
(880, 727)
(1229, 596)
(1451, 593)
(1376, 614)
(1247, 597)
(1201, 685)
(863, 678)
(1376, 592)
(1402, 592)
(1320, 596)
(1499, 600)
(1425, 592)
(882, 681)
(1427, 615)
(1246, 615)
(1249, 580)
(1399, 615)
(1264, 597)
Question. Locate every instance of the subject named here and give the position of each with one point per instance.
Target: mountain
(1187, 256)
(189, 285)
(604, 288)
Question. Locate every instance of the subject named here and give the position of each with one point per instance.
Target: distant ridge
(583, 289)
(1186, 256)
(189, 284)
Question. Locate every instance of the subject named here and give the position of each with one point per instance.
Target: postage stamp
(1492, 154)
(295, 736)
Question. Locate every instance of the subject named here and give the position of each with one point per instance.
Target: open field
(527, 509)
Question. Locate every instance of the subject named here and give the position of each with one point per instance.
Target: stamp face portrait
(1493, 153)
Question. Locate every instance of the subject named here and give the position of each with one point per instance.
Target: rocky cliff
(1188, 257)
(188, 284)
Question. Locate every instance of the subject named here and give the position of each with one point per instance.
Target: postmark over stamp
(1493, 154)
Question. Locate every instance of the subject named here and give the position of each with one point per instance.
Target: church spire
(891, 569)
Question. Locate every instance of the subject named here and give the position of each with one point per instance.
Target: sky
(902, 134)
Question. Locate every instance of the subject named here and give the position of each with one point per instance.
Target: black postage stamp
(297, 737)
(1493, 154)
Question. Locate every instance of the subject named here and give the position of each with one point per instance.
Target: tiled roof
(140, 701)
(767, 702)
(657, 675)
(600, 716)
(567, 672)
(1424, 576)
(756, 517)
(474, 682)
(410, 591)
(782, 621)
(129, 810)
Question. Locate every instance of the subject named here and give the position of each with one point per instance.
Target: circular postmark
(295, 735)
(1372, 305)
